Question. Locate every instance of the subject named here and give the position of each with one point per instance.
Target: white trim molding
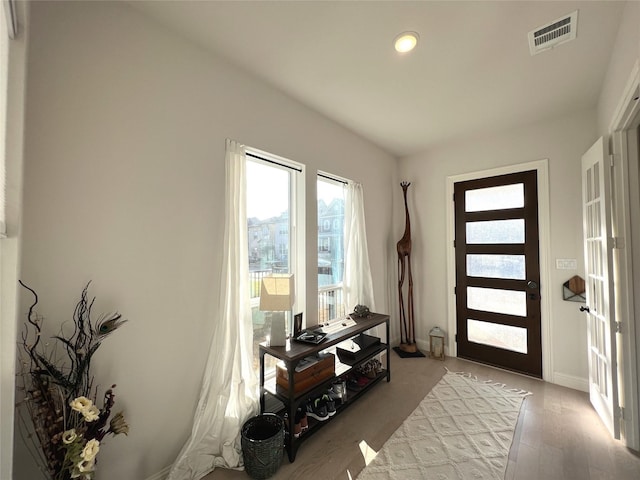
(542, 169)
(10, 247)
(627, 107)
(624, 134)
(571, 381)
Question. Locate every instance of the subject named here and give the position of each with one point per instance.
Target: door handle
(531, 284)
(585, 309)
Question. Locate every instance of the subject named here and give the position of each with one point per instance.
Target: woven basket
(262, 445)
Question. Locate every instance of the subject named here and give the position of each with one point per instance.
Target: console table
(293, 352)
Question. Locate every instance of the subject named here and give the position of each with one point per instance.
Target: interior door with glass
(498, 272)
(601, 329)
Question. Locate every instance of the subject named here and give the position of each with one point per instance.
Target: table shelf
(294, 352)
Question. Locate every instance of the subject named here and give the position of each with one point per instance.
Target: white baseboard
(571, 381)
(161, 475)
(423, 346)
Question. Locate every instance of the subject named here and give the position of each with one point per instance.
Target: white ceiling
(470, 74)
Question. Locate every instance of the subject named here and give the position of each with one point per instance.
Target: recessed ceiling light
(406, 41)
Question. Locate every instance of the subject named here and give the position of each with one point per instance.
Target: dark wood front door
(498, 272)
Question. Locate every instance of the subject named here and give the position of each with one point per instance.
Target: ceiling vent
(552, 34)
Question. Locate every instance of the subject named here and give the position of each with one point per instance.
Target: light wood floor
(558, 436)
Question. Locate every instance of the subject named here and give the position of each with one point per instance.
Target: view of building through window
(269, 197)
(269, 236)
(331, 201)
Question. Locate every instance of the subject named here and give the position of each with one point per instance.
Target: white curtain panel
(229, 394)
(358, 285)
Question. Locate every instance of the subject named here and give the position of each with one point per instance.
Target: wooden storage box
(324, 369)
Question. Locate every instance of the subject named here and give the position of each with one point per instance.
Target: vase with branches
(58, 414)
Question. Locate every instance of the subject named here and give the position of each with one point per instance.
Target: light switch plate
(566, 263)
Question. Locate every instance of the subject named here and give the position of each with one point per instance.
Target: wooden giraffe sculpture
(407, 339)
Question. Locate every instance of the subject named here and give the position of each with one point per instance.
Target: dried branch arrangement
(58, 414)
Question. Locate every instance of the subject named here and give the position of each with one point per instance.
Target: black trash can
(263, 445)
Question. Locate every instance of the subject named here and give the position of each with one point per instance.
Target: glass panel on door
(497, 335)
(495, 198)
(496, 231)
(509, 302)
(496, 266)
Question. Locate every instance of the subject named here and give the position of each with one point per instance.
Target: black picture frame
(297, 324)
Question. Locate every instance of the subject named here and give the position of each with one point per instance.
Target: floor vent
(552, 34)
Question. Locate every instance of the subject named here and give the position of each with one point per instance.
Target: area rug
(462, 429)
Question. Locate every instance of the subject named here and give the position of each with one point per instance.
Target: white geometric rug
(462, 429)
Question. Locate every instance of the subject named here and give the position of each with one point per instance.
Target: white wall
(562, 141)
(124, 172)
(124, 176)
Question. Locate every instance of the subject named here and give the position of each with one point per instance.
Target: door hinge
(620, 412)
(455, 338)
(618, 327)
(613, 159)
(617, 242)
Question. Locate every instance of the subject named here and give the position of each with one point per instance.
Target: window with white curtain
(274, 203)
(331, 203)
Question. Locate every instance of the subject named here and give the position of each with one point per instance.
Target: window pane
(330, 248)
(494, 198)
(496, 231)
(496, 266)
(268, 210)
(510, 302)
(269, 240)
(496, 335)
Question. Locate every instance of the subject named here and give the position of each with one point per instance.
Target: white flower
(80, 404)
(118, 424)
(69, 436)
(86, 466)
(91, 413)
(90, 450)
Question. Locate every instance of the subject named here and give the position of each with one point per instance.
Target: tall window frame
(285, 235)
(331, 203)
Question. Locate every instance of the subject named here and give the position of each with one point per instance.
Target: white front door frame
(624, 132)
(542, 169)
